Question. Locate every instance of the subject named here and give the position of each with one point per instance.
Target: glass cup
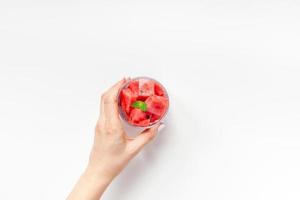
(125, 117)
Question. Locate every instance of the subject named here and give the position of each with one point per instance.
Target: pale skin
(111, 151)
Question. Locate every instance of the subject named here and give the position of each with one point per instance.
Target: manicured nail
(161, 127)
(126, 78)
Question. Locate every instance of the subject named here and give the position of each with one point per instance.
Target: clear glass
(124, 115)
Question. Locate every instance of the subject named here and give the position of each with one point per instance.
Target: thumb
(144, 138)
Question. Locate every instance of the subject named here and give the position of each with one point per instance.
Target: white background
(232, 70)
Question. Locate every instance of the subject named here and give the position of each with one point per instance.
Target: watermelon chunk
(127, 98)
(154, 118)
(136, 115)
(145, 122)
(146, 89)
(134, 87)
(158, 90)
(157, 105)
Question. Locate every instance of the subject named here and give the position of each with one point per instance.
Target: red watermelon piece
(154, 118)
(145, 122)
(134, 87)
(137, 115)
(157, 105)
(146, 88)
(127, 98)
(158, 90)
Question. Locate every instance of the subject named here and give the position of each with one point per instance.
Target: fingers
(109, 103)
(144, 138)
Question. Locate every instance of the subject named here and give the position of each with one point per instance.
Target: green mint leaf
(140, 104)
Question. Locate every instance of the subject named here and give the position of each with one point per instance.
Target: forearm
(90, 186)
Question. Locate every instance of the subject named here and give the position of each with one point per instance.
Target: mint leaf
(140, 104)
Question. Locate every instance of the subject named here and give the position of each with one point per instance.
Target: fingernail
(161, 127)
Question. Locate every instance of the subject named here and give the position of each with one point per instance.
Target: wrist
(97, 175)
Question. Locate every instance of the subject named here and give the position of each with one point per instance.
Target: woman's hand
(112, 148)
